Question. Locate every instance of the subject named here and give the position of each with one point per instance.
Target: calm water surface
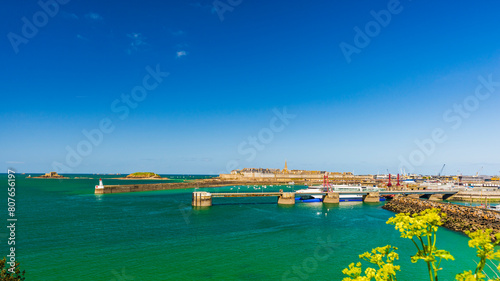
(65, 232)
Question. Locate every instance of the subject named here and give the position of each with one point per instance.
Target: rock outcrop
(458, 218)
(51, 175)
(142, 175)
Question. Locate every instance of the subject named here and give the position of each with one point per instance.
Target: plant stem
(430, 271)
(418, 249)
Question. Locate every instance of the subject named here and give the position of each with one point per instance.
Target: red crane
(326, 182)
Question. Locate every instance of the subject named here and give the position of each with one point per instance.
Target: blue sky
(233, 69)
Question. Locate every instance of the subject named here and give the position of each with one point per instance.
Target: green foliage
(421, 229)
(386, 268)
(481, 240)
(6, 275)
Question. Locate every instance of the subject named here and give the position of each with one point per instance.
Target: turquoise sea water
(65, 232)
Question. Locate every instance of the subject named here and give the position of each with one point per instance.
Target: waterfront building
(287, 175)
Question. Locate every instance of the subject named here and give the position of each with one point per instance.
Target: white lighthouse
(100, 186)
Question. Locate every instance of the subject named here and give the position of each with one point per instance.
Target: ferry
(310, 194)
(437, 185)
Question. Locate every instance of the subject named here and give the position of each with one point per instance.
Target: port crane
(477, 174)
(389, 184)
(442, 168)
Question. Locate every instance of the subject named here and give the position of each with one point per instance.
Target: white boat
(495, 208)
(312, 190)
(315, 190)
(437, 185)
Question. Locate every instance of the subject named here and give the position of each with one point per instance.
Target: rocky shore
(458, 218)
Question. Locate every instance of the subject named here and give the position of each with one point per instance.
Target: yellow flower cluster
(420, 224)
(421, 229)
(481, 240)
(387, 270)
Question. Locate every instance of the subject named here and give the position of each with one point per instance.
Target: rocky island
(144, 175)
(51, 175)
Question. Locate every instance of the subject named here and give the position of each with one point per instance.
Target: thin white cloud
(180, 54)
(138, 41)
(14, 162)
(93, 17)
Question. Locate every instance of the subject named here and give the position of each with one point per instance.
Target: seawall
(476, 196)
(458, 218)
(175, 185)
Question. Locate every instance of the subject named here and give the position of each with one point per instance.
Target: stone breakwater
(458, 218)
(175, 185)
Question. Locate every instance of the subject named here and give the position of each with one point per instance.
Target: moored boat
(316, 191)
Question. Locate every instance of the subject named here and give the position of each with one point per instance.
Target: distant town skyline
(206, 87)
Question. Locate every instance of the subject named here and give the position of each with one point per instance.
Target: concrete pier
(201, 199)
(372, 197)
(204, 199)
(331, 198)
(436, 197)
(286, 198)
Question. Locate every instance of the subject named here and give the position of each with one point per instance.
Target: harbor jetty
(216, 182)
(204, 199)
(458, 217)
